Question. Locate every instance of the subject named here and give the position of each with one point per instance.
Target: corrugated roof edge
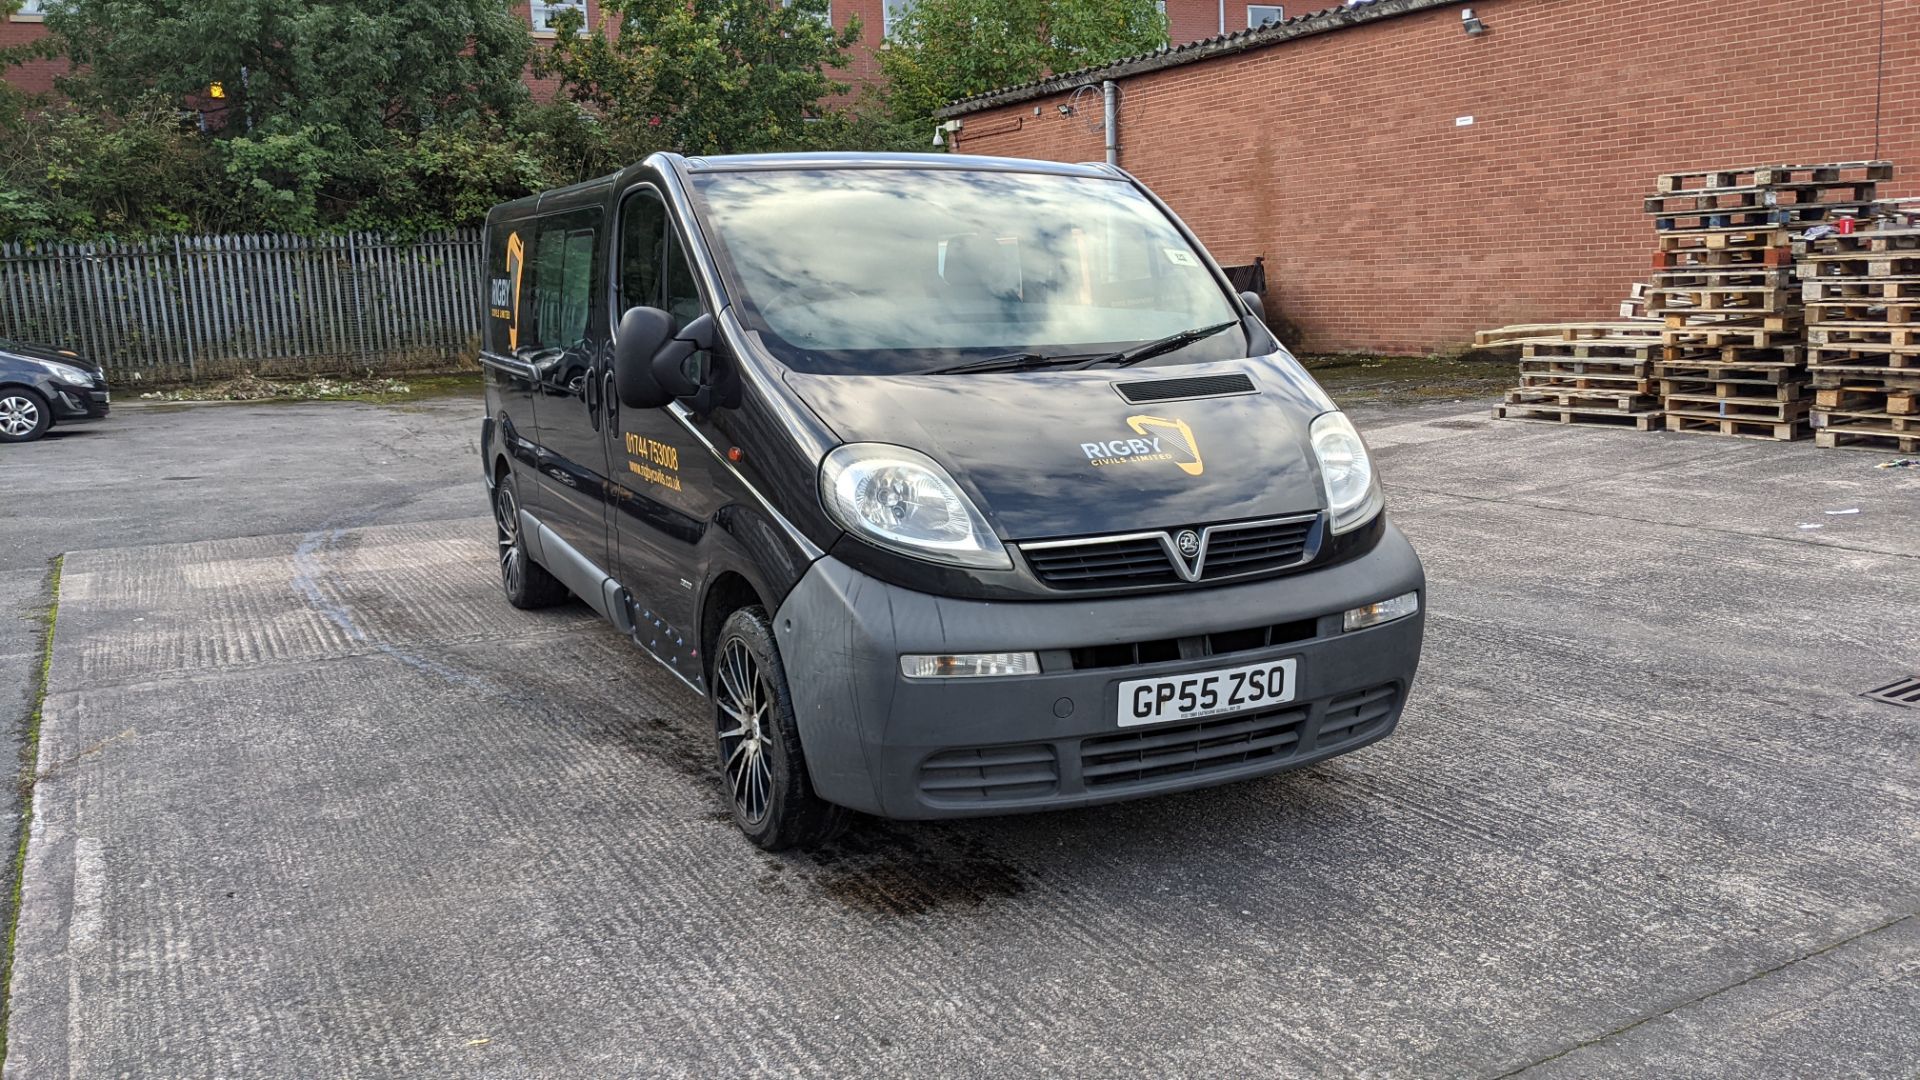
(1319, 22)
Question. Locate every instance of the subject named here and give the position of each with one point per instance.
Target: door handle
(591, 394)
(611, 401)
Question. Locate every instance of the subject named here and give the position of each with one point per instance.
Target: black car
(41, 385)
(955, 485)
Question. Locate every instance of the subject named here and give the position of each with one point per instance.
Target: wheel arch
(728, 592)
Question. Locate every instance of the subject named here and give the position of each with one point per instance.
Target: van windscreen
(888, 271)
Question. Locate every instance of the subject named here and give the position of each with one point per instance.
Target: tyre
(527, 583)
(24, 415)
(761, 765)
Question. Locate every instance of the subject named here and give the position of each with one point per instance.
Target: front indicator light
(970, 665)
(1383, 612)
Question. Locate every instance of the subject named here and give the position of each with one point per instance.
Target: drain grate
(1899, 692)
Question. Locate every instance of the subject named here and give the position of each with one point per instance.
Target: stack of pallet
(1582, 373)
(1732, 359)
(1862, 295)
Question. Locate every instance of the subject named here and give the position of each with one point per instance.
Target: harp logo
(1158, 438)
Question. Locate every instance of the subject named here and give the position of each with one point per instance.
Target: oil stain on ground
(892, 869)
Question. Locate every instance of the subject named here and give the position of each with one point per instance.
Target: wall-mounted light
(1065, 109)
(941, 131)
(1471, 22)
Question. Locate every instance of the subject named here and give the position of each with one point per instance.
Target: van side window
(683, 297)
(643, 234)
(508, 286)
(563, 281)
(653, 266)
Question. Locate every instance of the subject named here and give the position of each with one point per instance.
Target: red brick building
(1409, 181)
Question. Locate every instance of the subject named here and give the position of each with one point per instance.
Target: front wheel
(526, 583)
(760, 760)
(24, 415)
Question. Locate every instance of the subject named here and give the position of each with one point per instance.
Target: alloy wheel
(745, 698)
(18, 415)
(506, 522)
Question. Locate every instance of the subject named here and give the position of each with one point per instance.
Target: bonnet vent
(1195, 386)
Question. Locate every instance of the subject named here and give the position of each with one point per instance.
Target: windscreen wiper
(1129, 357)
(1013, 361)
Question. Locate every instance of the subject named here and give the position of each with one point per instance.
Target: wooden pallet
(1703, 257)
(1716, 407)
(1732, 200)
(1836, 377)
(1756, 389)
(1549, 333)
(1727, 239)
(1894, 337)
(1730, 336)
(1859, 398)
(1710, 277)
(1833, 289)
(1577, 398)
(1870, 241)
(1623, 352)
(1547, 414)
(1859, 264)
(1797, 218)
(1740, 429)
(1851, 439)
(1861, 312)
(1863, 356)
(1839, 172)
(1734, 303)
(1559, 380)
(1867, 429)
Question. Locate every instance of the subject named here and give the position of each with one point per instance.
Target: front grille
(990, 774)
(1140, 559)
(1138, 757)
(1218, 643)
(1261, 547)
(1355, 716)
(1193, 386)
(1104, 564)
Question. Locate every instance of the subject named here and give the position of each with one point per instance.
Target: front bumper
(912, 748)
(72, 403)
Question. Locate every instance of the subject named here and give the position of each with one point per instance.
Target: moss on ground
(1360, 377)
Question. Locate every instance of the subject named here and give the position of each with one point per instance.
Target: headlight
(901, 499)
(1353, 492)
(68, 374)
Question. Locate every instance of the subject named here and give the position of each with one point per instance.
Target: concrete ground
(314, 801)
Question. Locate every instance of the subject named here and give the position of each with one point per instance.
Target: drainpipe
(1108, 93)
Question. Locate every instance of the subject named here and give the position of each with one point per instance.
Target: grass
(29, 765)
(1358, 377)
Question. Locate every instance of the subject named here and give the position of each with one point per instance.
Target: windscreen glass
(887, 271)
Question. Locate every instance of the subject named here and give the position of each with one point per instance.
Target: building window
(30, 11)
(826, 17)
(545, 12)
(891, 15)
(1259, 15)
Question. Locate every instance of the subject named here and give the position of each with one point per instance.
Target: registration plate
(1208, 693)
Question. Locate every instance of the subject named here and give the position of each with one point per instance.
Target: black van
(957, 485)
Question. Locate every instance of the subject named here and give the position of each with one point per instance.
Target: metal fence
(207, 306)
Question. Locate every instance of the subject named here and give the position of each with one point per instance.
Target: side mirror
(1255, 305)
(643, 332)
(681, 367)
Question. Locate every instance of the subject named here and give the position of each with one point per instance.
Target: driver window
(643, 234)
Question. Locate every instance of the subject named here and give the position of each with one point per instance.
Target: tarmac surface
(314, 801)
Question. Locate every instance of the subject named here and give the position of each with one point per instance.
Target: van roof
(858, 160)
(714, 163)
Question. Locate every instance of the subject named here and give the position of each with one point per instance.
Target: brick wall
(1388, 227)
(35, 77)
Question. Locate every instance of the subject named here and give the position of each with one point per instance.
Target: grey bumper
(907, 748)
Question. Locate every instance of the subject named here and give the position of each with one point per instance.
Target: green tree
(702, 76)
(338, 72)
(944, 50)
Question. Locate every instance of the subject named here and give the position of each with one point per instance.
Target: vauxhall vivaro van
(953, 485)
